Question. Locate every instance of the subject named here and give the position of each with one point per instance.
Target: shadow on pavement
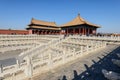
(94, 72)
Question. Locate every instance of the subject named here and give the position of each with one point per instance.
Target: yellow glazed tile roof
(78, 21)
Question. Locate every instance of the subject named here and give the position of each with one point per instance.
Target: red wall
(10, 32)
(30, 31)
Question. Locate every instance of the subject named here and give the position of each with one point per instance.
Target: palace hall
(76, 26)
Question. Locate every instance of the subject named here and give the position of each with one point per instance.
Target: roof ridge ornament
(78, 14)
(80, 17)
(32, 18)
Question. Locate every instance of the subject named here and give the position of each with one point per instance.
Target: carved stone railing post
(69, 50)
(87, 48)
(73, 52)
(95, 46)
(13, 76)
(1, 68)
(64, 56)
(50, 61)
(18, 63)
(29, 67)
(81, 48)
(105, 43)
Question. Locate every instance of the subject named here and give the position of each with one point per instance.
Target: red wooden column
(67, 31)
(73, 30)
(51, 32)
(35, 31)
(42, 32)
(48, 32)
(58, 32)
(88, 31)
(83, 31)
(55, 32)
(93, 31)
(39, 32)
(79, 31)
(32, 31)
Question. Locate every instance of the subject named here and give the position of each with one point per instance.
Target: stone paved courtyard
(88, 67)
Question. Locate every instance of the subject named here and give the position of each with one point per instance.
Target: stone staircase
(57, 52)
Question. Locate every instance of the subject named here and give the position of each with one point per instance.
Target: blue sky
(17, 14)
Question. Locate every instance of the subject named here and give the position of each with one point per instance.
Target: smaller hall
(76, 26)
(43, 27)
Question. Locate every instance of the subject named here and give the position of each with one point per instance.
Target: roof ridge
(81, 19)
(44, 21)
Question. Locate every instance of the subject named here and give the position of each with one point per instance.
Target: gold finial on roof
(32, 18)
(78, 14)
